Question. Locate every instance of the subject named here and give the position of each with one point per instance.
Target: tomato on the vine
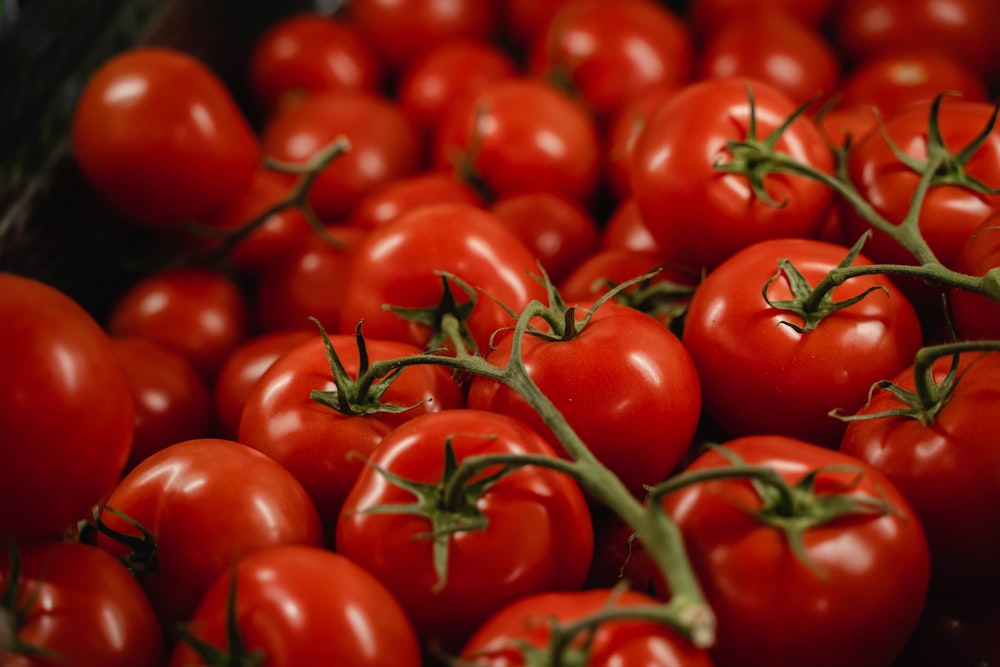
(977, 317)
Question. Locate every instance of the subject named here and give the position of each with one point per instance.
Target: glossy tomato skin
(389, 201)
(977, 317)
(82, 606)
(856, 605)
(622, 134)
(538, 537)
(197, 312)
(614, 643)
(625, 384)
(761, 376)
(304, 606)
(321, 447)
(700, 216)
(946, 469)
(626, 229)
(206, 502)
(461, 239)
(160, 138)
(66, 409)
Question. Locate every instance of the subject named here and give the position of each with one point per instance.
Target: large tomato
(850, 595)
(66, 410)
(73, 604)
(977, 317)
(530, 529)
(700, 215)
(159, 136)
(297, 605)
(761, 375)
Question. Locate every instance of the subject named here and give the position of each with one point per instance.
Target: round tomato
(391, 200)
(708, 16)
(851, 593)
(297, 605)
(761, 375)
(626, 230)
(160, 138)
(700, 215)
(66, 409)
(977, 317)
(622, 134)
(530, 529)
(73, 604)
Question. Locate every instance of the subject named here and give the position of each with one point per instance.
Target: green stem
(926, 356)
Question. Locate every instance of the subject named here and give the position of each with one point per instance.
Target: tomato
(623, 131)
(308, 52)
(198, 313)
(523, 20)
(706, 16)
(66, 409)
(243, 367)
(529, 530)
(520, 133)
(774, 47)
(701, 216)
(977, 317)
(946, 468)
(171, 399)
(316, 443)
(160, 138)
(557, 230)
(384, 146)
(625, 642)
(408, 192)
(608, 52)
(205, 503)
(760, 375)
(624, 383)
(626, 230)
(464, 240)
(74, 604)
(841, 122)
(851, 597)
(299, 605)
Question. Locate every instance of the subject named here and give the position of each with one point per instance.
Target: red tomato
(74, 604)
(627, 230)
(309, 53)
(160, 138)
(624, 642)
(384, 146)
(837, 124)
(243, 367)
(624, 129)
(948, 468)
(198, 313)
(171, 399)
(625, 384)
(707, 16)
(608, 52)
(523, 20)
(402, 30)
(299, 606)
(557, 230)
(701, 216)
(774, 47)
(521, 134)
(463, 240)
(206, 503)
(759, 375)
(851, 598)
(314, 441)
(404, 194)
(66, 410)
(535, 533)
(977, 317)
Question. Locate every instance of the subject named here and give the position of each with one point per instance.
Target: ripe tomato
(161, 139)
(701, 216)
(66, 409)
(393, 199)
(706, 16)
(464, 240)
(73, 604)
(527, 622)
(608, 52)
(626, 230)
(309, 52)
(759, 375)
(199, 313)
(947, 468)
(977, 317)
(320, 446)
(623, 132)
(205, 503)
(625, 384)
(299, 605)
(530, 529)
(384, 146)
(851, 597)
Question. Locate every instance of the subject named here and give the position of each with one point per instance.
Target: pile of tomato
(525, 332)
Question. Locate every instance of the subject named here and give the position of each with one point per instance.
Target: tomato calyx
(447, 319)
(12, 615)
(142, 559)
(663, 300)
(237, 655)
